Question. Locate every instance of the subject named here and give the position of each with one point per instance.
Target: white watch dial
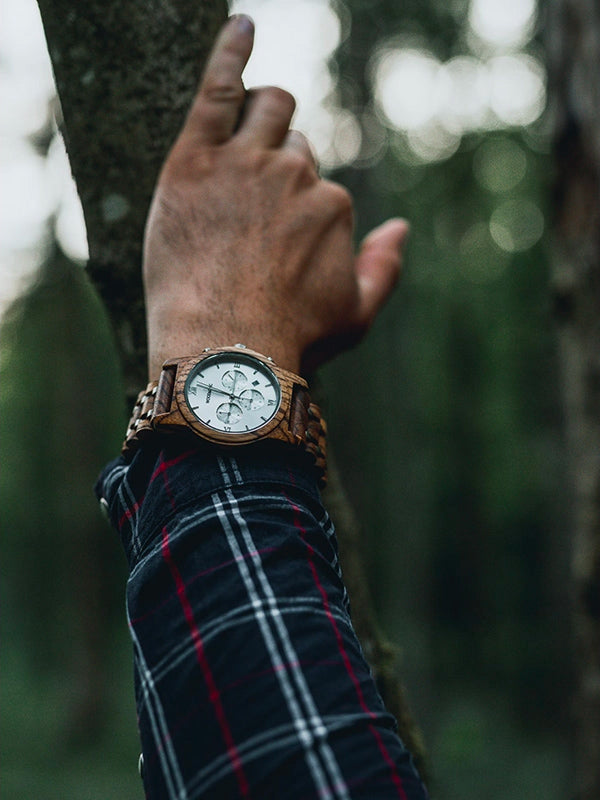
(233, 393)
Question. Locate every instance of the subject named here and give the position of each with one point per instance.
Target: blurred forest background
(446, 422)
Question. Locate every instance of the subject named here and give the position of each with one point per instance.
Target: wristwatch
(230, 396)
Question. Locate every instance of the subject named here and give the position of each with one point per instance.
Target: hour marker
(264, 419)
(255, 383)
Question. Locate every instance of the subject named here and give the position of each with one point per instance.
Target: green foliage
(61, 418)
(39, 762)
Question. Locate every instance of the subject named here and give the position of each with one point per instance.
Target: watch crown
(241, 346)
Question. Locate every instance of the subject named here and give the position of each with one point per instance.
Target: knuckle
(297, 164)
(186, 161)
(216, 91)
(339, 198)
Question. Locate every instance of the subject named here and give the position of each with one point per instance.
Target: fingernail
(243, 22)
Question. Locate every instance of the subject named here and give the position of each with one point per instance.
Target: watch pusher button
(104, 507)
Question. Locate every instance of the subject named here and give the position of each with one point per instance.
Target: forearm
(250, 681)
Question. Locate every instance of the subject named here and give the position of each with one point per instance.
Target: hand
(245, 243)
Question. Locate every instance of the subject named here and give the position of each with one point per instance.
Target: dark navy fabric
(250, 681)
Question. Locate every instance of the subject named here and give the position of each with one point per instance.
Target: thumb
(378, 265)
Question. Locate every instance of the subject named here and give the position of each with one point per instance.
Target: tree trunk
(126, 73)
(573, 44)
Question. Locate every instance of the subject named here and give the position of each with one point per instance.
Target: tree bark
(126, 73)
(573, 46)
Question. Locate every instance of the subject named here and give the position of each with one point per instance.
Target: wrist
(189, 338)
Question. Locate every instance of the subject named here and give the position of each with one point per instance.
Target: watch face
(233, 393)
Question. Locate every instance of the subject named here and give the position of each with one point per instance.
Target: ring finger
(266, 116)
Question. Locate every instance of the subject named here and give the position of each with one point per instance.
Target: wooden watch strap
(316, 440)
(154, 399)
(140, 424)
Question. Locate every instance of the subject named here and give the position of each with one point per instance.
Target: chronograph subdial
(229, 413)
(251, 399)
(234, 380)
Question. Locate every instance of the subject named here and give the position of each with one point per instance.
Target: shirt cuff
(189, 473)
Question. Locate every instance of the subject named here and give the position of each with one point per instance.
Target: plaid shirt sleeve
(250, 681)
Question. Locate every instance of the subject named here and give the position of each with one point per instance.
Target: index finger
(216, 108)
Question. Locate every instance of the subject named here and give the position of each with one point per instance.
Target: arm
(250, 681)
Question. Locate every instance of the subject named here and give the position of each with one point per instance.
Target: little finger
(298, 143)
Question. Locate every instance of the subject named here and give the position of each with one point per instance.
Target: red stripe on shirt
(129, 512)
(213, 691)
(162, 470)
(344, 655)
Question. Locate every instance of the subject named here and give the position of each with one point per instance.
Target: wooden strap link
(164, 390)
(299, 414)
(316, 440)
(140, 424)
(308, 428)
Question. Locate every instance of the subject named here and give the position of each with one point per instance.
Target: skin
(245, 243)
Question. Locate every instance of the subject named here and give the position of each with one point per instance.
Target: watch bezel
(285, 380)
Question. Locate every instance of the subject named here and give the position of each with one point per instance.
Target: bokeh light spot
(518, 88)
(499, 164)
(433, 143)
(503, 23)
(347, 137)
(465, 102)
(419, 96)
(406, 87)
(516, 225)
